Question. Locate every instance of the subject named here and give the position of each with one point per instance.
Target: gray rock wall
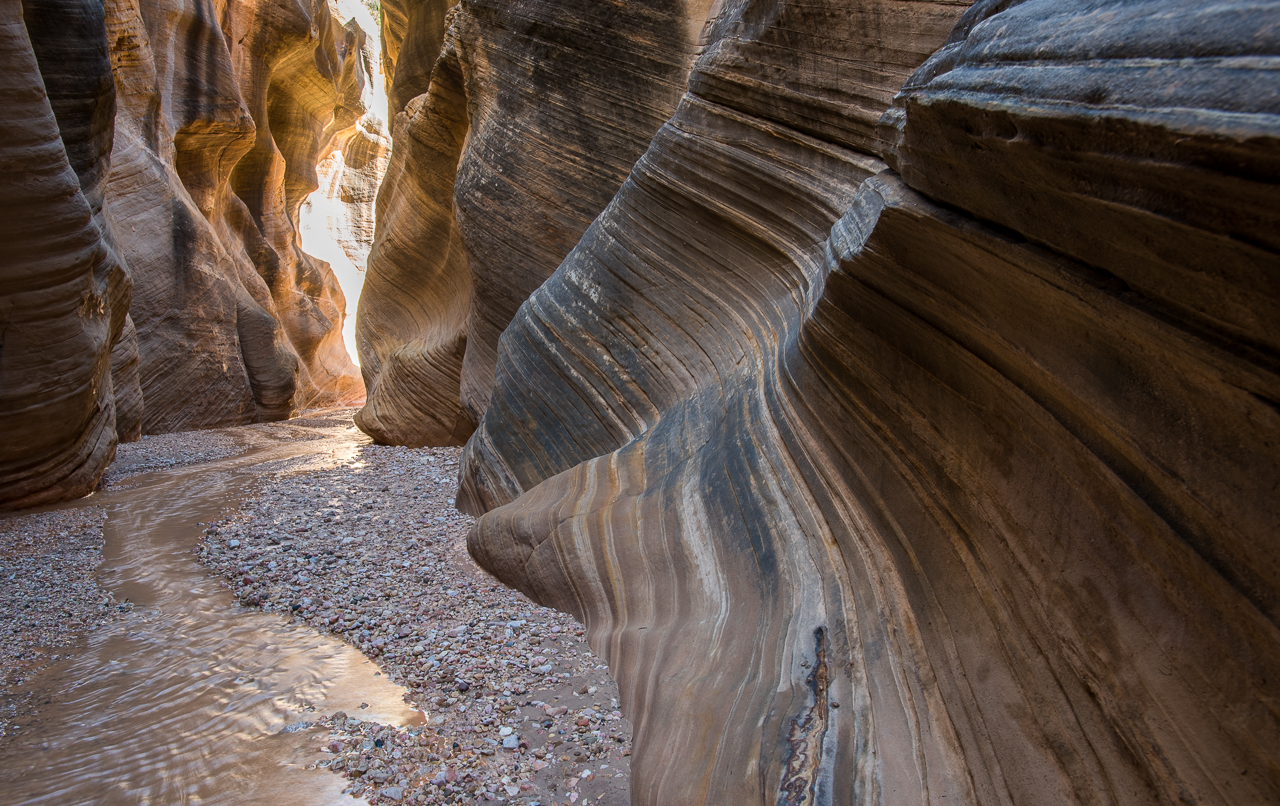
(534, 115)
(949, 483)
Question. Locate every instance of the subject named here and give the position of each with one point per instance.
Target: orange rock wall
(225, 109)
(158, 155)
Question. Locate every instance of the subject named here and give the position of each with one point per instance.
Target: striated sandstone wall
(225, 109)
(534, 114)
(947, 482)
(64, 292)
(158, 152)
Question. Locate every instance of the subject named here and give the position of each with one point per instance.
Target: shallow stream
(186, 700)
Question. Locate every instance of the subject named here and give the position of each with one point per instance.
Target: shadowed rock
(64, 292)
(534, 115)
(412, 34)
(871, 497)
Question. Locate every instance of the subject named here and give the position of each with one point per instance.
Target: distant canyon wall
(225, 109)
(531, 120)
(906, 427)
(158, 155)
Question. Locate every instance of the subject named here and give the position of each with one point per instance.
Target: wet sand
(183, 698)
(189, 697)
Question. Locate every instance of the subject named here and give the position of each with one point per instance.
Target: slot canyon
(652, 402)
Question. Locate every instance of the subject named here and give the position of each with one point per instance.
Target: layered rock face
(532, 118)
(162, 149)
(950, 482)
(225, 110)
(64, 292)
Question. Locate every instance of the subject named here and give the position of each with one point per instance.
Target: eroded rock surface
(225, 110)
(160, 151)
(64, 292)
(954, 486)
(533, 116)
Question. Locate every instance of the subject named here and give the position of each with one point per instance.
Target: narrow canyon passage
(184, 701)
(650, 402)
(192, 698)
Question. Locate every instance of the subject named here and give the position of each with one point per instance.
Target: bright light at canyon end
(336, 222)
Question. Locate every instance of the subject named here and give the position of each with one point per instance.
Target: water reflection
(184, 701)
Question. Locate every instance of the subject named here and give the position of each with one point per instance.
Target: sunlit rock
(222, 119)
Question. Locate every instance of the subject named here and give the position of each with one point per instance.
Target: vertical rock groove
(534, 115)
(165, 287)
(224, 113)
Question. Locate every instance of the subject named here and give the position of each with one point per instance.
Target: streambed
(190, 699)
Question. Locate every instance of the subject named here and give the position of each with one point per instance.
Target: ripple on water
(186, 701)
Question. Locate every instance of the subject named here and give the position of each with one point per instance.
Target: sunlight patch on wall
(336, 223)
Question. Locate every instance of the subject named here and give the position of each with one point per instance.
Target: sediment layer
(949, 484)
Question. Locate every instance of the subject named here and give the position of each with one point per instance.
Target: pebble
(49, 598)
(371, 550)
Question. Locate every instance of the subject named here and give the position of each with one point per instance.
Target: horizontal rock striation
(64, 292)
(533, 116)
(954, 484)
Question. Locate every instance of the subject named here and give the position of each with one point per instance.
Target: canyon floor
(331, 536)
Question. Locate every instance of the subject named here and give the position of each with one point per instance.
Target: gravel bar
(50, 598)
(517, 708)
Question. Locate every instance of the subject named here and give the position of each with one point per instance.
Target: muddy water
(186, 700)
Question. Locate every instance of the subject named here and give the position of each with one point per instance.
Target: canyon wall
(225, 109)
(906, 450)
(64, 291)
(532, 118)
(157, 155)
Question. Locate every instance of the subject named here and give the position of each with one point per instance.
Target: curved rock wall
(534, 115)
(64, 292)
(949, 486)
(225, 110)
(412, 34)
(158, 153)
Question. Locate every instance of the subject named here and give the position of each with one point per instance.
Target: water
(183, 701)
